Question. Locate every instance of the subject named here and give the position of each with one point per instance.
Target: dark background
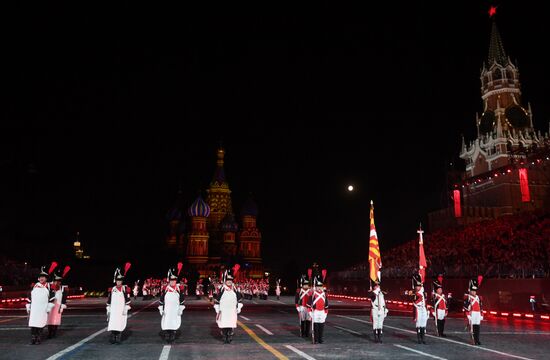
(108, 110)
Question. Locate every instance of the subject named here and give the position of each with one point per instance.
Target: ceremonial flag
(422, 265)
(375, 261)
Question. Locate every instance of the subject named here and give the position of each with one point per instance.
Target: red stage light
(516, 315)
(493, 312)
(529, 315)
(492, 11)
(546, 317)
(504, 314)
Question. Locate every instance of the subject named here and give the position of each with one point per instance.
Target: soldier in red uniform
(318, 307)
(420, 311)
(440, 310)
(301, 300)
(472, 308)
(60, 301)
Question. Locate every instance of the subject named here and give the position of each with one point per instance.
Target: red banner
(524, 185)
(422, 264)
(456, 198)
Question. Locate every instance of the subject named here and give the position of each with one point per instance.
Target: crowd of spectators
(515, 246)
(15, 273)
(250, 288)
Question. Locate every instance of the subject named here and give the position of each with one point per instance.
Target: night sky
(109, 111)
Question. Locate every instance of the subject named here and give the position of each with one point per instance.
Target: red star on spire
(492, 11)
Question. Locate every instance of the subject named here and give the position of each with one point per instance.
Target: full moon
(350, 188)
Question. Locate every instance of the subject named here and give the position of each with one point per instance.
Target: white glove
(481, 318)
(217, 308)
(469, 318)
(108, 308)
(161, 310)
(126, 308)
(386, 311)
(180, 310)
(61, 308)
(50, 307)
(239, 307)
(299, 308)
(28, 306)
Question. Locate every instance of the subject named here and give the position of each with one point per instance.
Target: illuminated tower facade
(250, 240)
(505, 163)
(229, 228)
(219, 200)
(505, 125)
(197, 239)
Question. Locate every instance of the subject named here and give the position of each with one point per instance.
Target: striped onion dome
(228, 224)
(199, 208)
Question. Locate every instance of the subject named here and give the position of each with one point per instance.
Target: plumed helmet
(172, 274)
(118, 275)
(416, 280)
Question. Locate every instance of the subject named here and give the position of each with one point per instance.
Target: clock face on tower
(517, 116)
(487, 122)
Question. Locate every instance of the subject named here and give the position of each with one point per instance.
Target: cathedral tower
(197, 244)
(229, 228)
(175, 237)
(250, 239)
(219, 200)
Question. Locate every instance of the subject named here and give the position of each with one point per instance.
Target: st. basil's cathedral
(215, 238)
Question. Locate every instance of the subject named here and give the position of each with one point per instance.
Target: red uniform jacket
(440, 302)
(318, 301)
(302, 297)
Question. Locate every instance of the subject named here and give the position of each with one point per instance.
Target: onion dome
(228, 224)
(250, 208)
(199, 208)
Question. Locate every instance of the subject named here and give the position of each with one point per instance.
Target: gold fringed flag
(375, 261)
(422, 264)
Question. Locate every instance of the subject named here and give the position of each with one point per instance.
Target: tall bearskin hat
(43, 272)
(437, 285)
(58, 274)
(228, 275)
(118, 275)
(172, 274)
(303, 281)
(416, 280)
(473, 285)
(318, 281)
(374, 283)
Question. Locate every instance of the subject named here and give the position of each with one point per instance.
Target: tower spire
(496, 49)
(219, 175)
